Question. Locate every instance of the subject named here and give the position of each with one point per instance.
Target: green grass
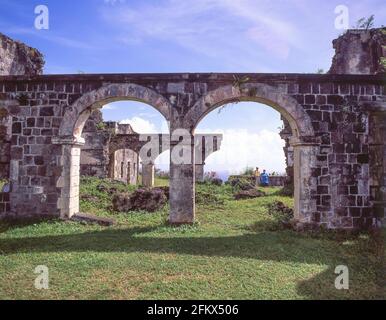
(161, 182)
(230, 253)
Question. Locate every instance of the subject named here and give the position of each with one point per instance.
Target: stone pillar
(199, 173)
(111, 173)
(68, 182)
(286, 135)
(182, 184)
(377, 161)
(304, 183)
(148, 174)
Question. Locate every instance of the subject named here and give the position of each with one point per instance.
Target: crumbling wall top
(360, 52)
(16, 58)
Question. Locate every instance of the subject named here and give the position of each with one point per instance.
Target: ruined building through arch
(97, 160)
(112, 150)
(337, 135)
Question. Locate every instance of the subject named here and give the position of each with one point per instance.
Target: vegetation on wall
(365, 23)
(3, 182)
(101, 126)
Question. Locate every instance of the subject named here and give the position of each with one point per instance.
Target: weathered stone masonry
(360, 52)
(329, 116)
(16, 58)
(337, 136)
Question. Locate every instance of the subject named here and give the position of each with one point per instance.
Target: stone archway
(303, 139)
(71, 129)
(298, 119)
(77, 114)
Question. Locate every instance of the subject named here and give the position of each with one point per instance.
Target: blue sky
(98, 36)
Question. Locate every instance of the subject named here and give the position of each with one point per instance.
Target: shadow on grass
(285, 246)
(15, 223)
(322, 286)
(277, 246)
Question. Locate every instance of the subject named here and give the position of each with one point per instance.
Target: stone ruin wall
(338, 176)
(360, 52)
(350, 158)
(377, 162)
(95, 158)
(125, 161)
(5, 140)
(126, 166)
(364, 52)
(16, 58)
(286, 134)
(356, 52)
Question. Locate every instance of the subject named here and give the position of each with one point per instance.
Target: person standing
(257, 177)
(264, 179)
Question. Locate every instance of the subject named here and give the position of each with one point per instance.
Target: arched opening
(252, 141)
(114, 145)
(302, 134)
(125, 163)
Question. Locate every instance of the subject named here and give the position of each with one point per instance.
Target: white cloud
(109, 106)
(241, 148)
(141, 125)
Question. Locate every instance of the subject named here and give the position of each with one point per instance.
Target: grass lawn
(235, 251)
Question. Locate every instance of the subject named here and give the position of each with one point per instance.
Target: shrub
(287, 191)
(280, 212)
(241, 183)
(208, 198)
(101, 126)
(216, 181)
(212, 178)
(211, 194)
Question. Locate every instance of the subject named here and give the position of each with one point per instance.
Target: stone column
(111, 167)
(182, 188)
(377, 162)
(304, 183)
(199, 173)
(68, 202)
(148, 174)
